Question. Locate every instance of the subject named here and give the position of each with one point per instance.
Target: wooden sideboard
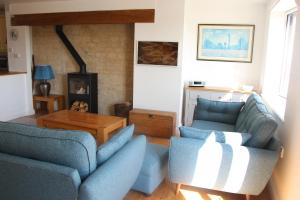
(211, 93)
(153, 123)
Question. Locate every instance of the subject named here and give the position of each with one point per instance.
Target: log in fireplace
(82, 86)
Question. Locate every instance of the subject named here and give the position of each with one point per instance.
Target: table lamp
(44, 73)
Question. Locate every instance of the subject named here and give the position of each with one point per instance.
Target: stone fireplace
(107, 50)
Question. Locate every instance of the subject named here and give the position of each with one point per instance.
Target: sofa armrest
(23, 178)
(219, 166)
(113, 179)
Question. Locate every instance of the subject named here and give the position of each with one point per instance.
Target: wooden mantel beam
(89, 17)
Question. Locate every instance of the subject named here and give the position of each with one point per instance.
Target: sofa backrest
(75, 149)
(256, 119)
(217, 111)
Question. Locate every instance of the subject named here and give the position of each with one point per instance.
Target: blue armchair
(230, 147)
(44, 164)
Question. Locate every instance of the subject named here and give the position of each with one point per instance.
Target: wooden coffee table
(100, 126)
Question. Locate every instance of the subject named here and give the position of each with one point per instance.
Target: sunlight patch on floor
(191, 195)
(215, 197)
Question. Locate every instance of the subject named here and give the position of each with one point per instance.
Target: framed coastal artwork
(157, 53)
(225, 42)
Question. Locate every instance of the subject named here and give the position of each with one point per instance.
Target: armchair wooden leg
(247, 196)
(178, 188)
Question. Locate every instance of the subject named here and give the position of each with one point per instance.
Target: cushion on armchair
(217, 111)
(108, 149)
(232, 138)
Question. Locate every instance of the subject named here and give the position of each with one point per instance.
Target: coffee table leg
(102, 136)
(50, 105)
(61, 102)
(39, 122)
(124, 123)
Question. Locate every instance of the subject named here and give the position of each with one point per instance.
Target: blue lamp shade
(43, 72)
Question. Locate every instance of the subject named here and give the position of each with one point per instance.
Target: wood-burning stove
(82, 86)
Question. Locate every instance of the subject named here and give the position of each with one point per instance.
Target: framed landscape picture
(157, 53)
(225, 42)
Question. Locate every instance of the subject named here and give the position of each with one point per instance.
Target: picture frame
(157, 53)
(225, 42)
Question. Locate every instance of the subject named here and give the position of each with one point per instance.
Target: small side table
(49, 100)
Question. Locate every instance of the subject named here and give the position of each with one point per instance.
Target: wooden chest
(153, 123)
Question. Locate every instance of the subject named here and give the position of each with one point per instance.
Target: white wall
(225, 74)
(13, 103)
(160, 87)
(16, 89)
(285, 180)
(286, 176)
(19, 51)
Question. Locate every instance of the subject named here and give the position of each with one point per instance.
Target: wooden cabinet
(153, 123)
(211, 93)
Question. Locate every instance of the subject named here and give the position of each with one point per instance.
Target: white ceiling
(23, 1)
(2, 2)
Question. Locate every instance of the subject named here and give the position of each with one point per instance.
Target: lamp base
(45, 88)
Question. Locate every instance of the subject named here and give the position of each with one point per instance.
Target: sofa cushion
(232, 138)
(208, 125)
(75, 149)
(257, 120)
(251, 102)
(108, 149)
(190, 132)
(217, 111)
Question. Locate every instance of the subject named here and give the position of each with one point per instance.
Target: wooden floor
(166, 191)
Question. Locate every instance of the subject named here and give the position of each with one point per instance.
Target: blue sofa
(230, 147)
(46, 164)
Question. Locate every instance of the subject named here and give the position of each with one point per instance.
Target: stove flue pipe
(70, 47)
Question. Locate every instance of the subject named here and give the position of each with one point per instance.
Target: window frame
(273, 83)
(287, 53)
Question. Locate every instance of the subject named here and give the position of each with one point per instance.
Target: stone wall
(106, 49)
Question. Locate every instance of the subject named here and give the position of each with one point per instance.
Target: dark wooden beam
(89, 17)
